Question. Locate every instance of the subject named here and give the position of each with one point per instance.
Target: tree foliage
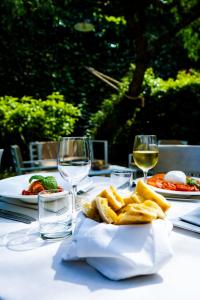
(171, 112)
(28, 119)
(42, 52)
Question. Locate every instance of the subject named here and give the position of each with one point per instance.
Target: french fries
(114, 199)
(106, 213)
(143, 189)
(91, 211)
(142, 206)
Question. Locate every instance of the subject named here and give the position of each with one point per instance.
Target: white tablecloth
(39, 273)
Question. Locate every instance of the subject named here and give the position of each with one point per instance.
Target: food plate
(174, 193)
(12, 187)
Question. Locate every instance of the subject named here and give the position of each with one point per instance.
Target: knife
(16, 216)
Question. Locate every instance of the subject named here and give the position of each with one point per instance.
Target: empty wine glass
(74, 162)
(145, 152)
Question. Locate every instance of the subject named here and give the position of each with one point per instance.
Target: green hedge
(173, 107)
(27, 119)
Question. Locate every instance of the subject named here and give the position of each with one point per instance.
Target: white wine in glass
(145, 152)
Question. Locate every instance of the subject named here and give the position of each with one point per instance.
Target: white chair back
(43, 150)
(185, 158)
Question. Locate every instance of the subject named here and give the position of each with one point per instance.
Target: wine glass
(145, 152)
(74, 162)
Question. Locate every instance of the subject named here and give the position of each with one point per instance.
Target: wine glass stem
(74, 190)
(145, 175)
(74, 193)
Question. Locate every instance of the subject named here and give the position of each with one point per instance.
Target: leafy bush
(176, 107)
(172, 110)
(27, 119)
(157, 85)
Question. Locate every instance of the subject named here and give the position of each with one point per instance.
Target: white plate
(12, 187)
(175, 193)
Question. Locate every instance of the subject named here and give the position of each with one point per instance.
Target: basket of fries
(122, 237)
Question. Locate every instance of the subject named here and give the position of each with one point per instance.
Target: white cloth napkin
(119, 252)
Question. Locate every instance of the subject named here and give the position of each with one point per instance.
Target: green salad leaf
(48, 182)
(192, 181)
(36, 177)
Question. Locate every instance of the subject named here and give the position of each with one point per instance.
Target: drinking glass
(145, 152)
(121, 178)
(55, 214)
(74, 162)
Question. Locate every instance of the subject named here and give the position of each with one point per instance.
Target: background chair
(45, 151)
(99, 150)
(99, 157)
(185, 158)
(100, 161)
(21, 166)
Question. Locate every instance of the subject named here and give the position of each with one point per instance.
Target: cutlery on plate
(7, 214)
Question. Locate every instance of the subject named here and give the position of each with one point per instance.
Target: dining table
(32, 268)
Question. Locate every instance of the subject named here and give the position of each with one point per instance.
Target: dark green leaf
(49, 183)
(36, 177)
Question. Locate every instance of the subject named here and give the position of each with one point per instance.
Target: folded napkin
(123, 251)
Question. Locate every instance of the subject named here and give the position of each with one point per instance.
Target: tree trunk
(135, 86)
